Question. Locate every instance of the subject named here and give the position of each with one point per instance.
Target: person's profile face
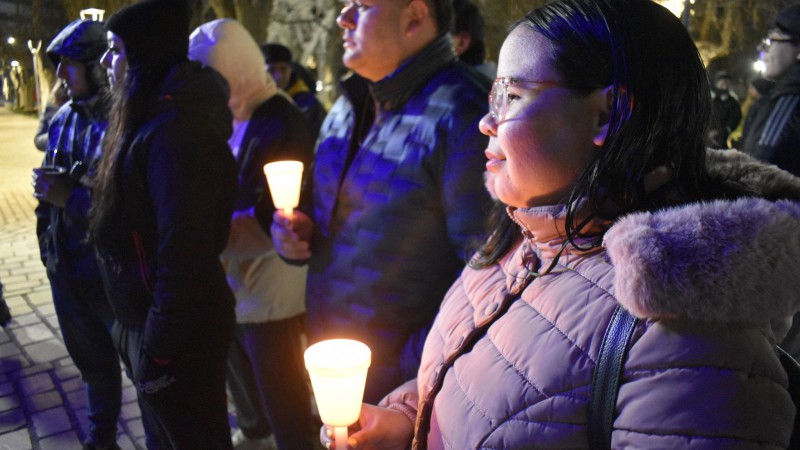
(73, 75)
(541, 134)
(281, 72)
(372, 34)
(115, 60)
(781, 52)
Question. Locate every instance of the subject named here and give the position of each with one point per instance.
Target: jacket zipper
(141, 259)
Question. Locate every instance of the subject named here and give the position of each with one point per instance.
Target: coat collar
(726, 260)
(393, 92)
(789, 83)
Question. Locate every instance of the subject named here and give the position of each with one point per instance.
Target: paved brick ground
(42, 401)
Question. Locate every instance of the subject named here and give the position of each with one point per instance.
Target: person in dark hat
(288, 76)
(775, 132)
(468, 37)
(161, 217)
(726, 113)
(73, 146)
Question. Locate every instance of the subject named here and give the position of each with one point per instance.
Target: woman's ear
(603, 115)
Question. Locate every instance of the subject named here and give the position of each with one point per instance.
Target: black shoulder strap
(605, 379)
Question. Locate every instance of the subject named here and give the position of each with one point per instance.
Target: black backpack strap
(607, 373)
(605, 379)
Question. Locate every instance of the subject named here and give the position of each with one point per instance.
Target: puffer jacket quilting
(702, 371)
(392, 229)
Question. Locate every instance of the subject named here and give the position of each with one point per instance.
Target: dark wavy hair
(442, 11)
(660, 108)
(131, 106)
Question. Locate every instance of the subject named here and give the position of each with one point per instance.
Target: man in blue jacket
(397, 192)
(82, 307)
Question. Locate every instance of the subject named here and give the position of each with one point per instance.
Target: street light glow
(11, 40)
(14, 63)
(95, 14)
(759, 66)
(674, 6)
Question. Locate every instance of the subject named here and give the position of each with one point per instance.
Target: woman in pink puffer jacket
(609, 198)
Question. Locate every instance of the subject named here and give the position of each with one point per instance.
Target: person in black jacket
(73, 146)
(726, 113)
(774, 135)
(165, 194)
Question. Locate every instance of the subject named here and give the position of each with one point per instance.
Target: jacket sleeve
(703, 386)
(78, 204)
(466, 202)
(41, 138)
(404, 399)
(282, 133)
(247, 238)
(42, 212)
(191, 181)
(777, 140)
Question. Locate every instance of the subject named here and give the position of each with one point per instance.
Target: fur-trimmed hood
(728, 261)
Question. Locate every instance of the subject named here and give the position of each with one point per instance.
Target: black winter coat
(177, 184)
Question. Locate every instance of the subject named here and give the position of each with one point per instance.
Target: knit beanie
(155, 32)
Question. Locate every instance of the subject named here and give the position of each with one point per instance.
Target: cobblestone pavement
(42, 400)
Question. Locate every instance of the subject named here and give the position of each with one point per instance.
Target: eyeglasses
(347, 4)
(767, 42)
(499, 98)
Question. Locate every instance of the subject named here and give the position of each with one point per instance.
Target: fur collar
(728, 261)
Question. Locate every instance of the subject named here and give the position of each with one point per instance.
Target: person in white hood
(266, 375)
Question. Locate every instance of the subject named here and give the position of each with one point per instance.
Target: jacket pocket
(141, 261)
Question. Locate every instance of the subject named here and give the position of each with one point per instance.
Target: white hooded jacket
(265, 287)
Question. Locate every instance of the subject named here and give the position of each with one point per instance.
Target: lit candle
(284, 179)
(338, 371)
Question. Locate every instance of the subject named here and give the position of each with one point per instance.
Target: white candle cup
(284, 179)
(338, 371)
